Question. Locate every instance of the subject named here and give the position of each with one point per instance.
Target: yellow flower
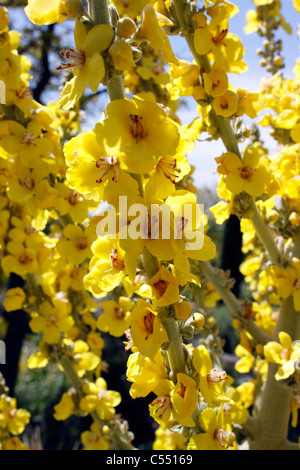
(141, 130)
(226, 105)
(14, 300)
(93, 439)
(169, 171)
(28, 142)
(83, 359)
(184, 398)
(151, 30)
(116, 317)
(43, 12)
(175, 402)
(165, 288)
(217, 435)
(144, 374)
(86, 61)
(249, 174)
(19, 260)
(285, 353)
(297, 5)
(13, 444)
(107, 267)
(11, 418)
(52, 320)
(76, 247)
(215, 38)
(165, 439)
(216, 81)
(122, 55)
(147, 331)
(65, 408)
(97, 172)
(210, 379)
(287, 281)
(98, 398)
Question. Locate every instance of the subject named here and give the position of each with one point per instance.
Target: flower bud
(126, 27)
(196, 320)
(183, 310)
(73, 8)
(188, 332)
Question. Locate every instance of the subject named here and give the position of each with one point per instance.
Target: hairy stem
(264, 234)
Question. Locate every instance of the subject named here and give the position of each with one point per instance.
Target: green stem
(99, 11)
(226, 294)
(264, 234)
(71, 373)
(275, 410)
(115, 88)
(175, 351)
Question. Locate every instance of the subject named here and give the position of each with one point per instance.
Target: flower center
(219, 36)
(161, 287)
(224, 437)
(28, 138)
(12, 413)
(25, 258)
(27, 183)
(215, 376)
(246, 173)
(76, 59)
(136, 126)
(119, 313)
(23, 92)
(101, 394)
(29, 229)
(115, 260)
(285, 354)
(106, 164)
(168, 166)
(73, 199)
(52, 320)
(182, 390)
(81, 243)
(164, 403)
(297, 283)
(129, 343)
(158, 69)
(149, 322)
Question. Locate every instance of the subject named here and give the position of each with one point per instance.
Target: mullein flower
(57, 11)
(285, 354)
(116, 317)
(86, 62)
(216, 436)
(147, 331)
(98, 398)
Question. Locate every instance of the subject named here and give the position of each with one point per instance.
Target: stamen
(215, 376)
(27, 183)
(28, 138)
(168, 166)
(115, 260)
(149, 322)
(76, 58)
(224, 437)
(136, 127)
(161, 287)
(219, 36)
(246, 173)
(106, 164)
